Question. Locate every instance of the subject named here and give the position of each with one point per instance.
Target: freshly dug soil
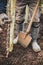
(20, 55)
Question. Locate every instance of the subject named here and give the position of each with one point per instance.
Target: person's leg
(35, 27)
(3, 19)
(20, 16)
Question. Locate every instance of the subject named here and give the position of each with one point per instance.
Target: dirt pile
(19, 55)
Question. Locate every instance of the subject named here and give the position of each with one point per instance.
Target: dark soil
(19, 55)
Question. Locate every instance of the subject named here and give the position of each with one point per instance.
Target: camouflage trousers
(20, 15)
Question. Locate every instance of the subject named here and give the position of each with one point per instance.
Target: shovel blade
(24, 41)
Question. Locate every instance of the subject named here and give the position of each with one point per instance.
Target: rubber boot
(20, 28)
(35, 34)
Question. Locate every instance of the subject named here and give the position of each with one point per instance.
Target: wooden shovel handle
(33, 16)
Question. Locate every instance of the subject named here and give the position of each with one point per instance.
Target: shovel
(23, 37)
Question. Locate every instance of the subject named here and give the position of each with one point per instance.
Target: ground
(20, 55)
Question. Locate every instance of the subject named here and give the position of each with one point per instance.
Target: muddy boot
(20, 28)
(35, 34)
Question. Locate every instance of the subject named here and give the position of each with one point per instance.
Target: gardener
(3, 16)
(20, 17)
